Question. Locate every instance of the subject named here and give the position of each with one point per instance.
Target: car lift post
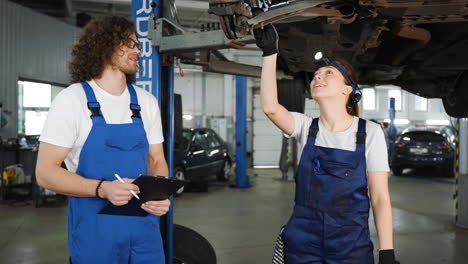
(151, 78)
(461, 176)
(241, 133)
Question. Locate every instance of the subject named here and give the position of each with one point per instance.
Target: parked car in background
(424, 147)
(199, 156)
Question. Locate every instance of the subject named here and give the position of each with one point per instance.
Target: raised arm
(267, 40)
(277, 113)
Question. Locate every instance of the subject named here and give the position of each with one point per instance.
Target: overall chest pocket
(126, 145)
(341, 170)
(126, 140)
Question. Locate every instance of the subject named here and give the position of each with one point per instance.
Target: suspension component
(233, 15)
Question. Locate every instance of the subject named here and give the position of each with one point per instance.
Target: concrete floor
(242, 224)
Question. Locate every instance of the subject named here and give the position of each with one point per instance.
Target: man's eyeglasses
(131, 43)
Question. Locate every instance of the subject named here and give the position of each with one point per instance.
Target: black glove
(267, 39)
(387, 256)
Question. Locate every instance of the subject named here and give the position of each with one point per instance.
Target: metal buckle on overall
(135, 110)
(360, 138)
(94, 107)
(313, 131)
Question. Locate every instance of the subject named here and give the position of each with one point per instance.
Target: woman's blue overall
(112, 239)
(329, 223)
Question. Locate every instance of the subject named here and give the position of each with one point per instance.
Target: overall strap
(134, 106)
(313, 130)
(93, 104)
(361, 136)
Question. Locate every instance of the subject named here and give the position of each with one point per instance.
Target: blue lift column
(242, 181)
(149, 78)
(169, 217)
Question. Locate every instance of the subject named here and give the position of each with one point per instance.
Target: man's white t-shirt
(68, 121)
(376, 147)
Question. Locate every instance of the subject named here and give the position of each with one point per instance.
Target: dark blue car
(199, 155)
(424, 147)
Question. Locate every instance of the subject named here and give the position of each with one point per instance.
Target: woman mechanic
(343, 158)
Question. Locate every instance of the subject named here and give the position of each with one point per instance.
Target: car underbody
(421, 46)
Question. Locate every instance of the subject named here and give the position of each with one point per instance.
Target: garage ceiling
(191, 14)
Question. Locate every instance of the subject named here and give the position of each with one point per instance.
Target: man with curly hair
(103, 125)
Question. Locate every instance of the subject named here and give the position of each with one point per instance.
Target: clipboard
(156, 188)
(152, 188)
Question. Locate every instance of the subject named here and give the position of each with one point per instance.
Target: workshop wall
(435, 109)
(33, 47)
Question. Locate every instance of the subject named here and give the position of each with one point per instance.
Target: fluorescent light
(435, 122)
(187, 117)
(266, 167)
(398, 121)
(318, 55)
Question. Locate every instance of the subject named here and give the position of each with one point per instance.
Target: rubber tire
(191, 248)
(222, 175)
(36, 201)
(177, 176)
(291, 94)
(448, 172)
(456, 103)
(397, 171)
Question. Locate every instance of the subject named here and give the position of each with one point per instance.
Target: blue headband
(330, 62)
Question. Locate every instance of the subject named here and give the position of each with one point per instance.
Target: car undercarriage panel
(406, 42)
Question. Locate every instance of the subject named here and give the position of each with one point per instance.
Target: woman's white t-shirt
(376, 146)
(68, 122)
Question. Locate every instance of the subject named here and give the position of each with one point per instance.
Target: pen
(120, 180)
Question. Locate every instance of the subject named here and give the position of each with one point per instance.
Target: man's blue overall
(112, 148)
(329, 223)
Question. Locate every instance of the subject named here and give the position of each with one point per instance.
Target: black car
(200, 154)
(424, 147)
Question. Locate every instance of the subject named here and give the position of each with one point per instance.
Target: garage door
(266, 138)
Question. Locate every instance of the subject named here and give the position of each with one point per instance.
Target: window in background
(34, 121)
(36, 95)
(34, 101)
(420, 103)
(395, 93)
(368, 95)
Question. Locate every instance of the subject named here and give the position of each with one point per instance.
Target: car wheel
(179, 174)
(455, 103)
(397, 171)
(449, 172)
(191, 248)
(225, 172)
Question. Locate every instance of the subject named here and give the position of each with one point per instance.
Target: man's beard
(125, 67)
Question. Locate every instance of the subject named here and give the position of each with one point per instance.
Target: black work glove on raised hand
(387, 256)
(267, 39)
